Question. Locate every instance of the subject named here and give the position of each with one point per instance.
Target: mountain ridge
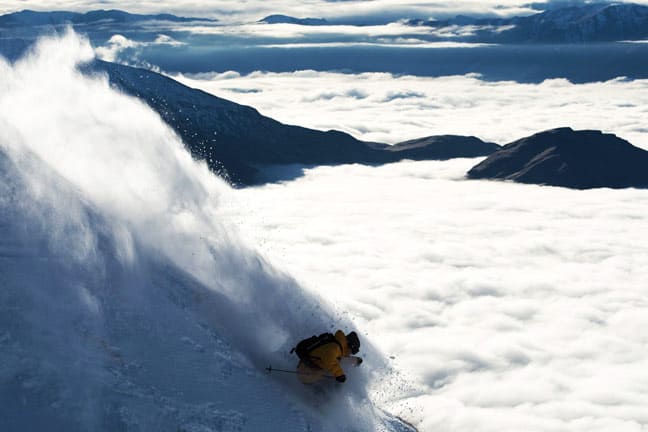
(564, 157)
(596, 22)
(235, 139)
(286, 19)
(31, 17)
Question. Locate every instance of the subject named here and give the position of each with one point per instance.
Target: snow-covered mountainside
(589, 23)
(596, 22)
(127, 300)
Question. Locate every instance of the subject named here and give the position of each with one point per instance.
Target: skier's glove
(341, 378)
(358, 361)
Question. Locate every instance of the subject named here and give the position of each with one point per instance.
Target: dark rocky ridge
(57, 18)
(564, 157)
(234, 139)
(442, 147)
(285, 19)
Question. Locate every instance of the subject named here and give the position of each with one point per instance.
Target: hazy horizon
(376, 11)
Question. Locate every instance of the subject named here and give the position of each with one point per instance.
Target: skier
(321, 355)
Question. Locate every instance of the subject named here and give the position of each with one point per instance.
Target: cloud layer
(118, 43)
(377, 11)
(254, 10)
(511, 307)
(387, 108)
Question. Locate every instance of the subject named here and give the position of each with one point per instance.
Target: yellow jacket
(328, 356)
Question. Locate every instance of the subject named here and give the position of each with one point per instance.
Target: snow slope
(127, 299)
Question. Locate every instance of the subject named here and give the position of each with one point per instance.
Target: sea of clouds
(253, 10)
(510, 307)
(375, 11)
(387, 108)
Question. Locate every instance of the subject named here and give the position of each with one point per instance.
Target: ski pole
(270, 369)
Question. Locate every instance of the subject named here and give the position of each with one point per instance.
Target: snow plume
(127, 300)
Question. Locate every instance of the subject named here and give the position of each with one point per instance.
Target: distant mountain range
(564, 23)
(564, 157)
(35, 18)
(285, 19)
(235, 139)
(599, 22)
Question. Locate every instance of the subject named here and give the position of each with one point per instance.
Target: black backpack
(306, 346)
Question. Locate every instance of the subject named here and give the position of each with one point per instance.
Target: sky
(232, 10)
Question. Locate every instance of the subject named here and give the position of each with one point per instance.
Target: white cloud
(511, 307)
(465, 105)
(392, 33)
(254, 10)
(468, 30)
(234, 10)
(118, 43)
(382, 42)
(115, 45)
(163, 39)
(292, 31)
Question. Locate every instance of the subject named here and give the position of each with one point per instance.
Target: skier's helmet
(353, 342)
